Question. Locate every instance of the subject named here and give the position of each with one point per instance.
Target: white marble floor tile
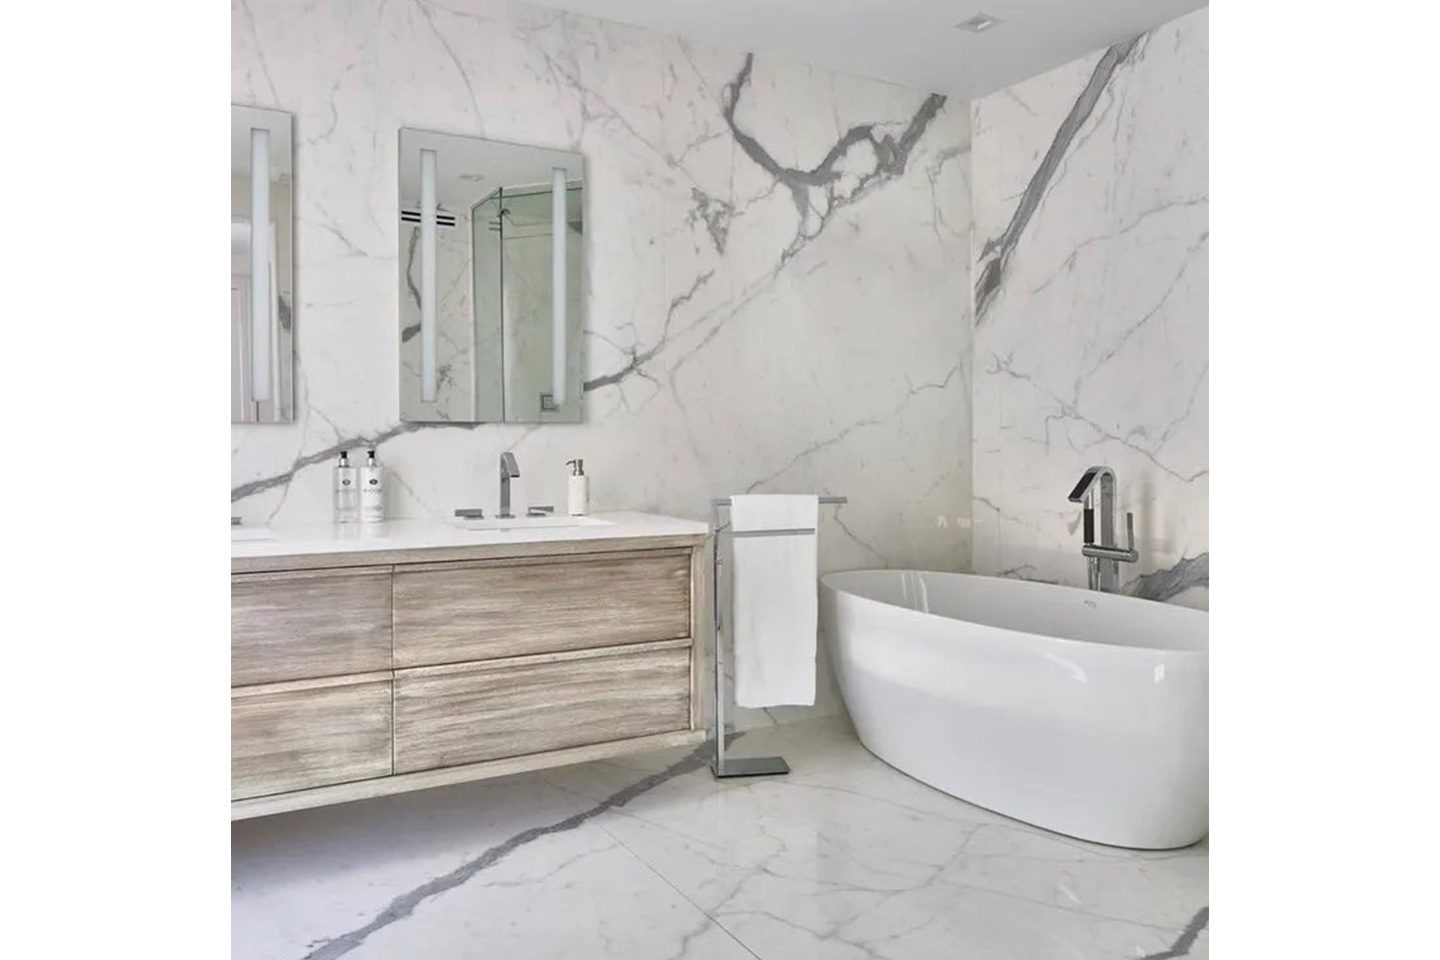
(567, 895)
(941, 920)
(649, 856)
(300, 879)
(1163, 888)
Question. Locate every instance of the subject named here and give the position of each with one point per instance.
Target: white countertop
(284, 540)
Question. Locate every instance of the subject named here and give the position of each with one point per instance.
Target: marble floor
(649, 858)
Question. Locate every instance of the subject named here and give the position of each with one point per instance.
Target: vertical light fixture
(260, 369)
(427, 275)
(272, 320)
(558, 326)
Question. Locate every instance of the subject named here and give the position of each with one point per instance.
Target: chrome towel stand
(740, 766)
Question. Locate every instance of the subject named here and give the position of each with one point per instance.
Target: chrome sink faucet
(1104, 558)
(509, 470)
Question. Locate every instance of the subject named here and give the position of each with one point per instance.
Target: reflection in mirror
(491, 280)
(262, 320)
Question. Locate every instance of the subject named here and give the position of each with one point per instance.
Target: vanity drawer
(290, 736)
(299, 624)
(470, 712)
(451, 613)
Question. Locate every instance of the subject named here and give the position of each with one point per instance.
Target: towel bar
(740, 766)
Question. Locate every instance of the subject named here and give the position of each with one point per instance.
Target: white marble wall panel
(778, 271)
(1090, 343)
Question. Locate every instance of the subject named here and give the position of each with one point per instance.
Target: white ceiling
(910, 42)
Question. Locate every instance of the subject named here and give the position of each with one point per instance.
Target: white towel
(773, 623)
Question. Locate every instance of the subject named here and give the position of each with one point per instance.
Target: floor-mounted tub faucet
(1104, 557)
(509, 470)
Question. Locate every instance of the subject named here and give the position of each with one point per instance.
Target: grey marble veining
(1184, 945)
(1163, 585)
(328, 455)
(1091, 335)
(888, 159)
(1187, 574)
(404, 905)
(649, 856)
(997, 250)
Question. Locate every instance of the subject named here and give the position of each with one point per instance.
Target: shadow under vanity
(433, 654)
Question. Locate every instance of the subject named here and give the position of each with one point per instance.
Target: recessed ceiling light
(978, 23)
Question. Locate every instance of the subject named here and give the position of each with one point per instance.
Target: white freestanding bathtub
(1081, 712)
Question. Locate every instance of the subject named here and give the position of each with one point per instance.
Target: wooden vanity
(434, 655)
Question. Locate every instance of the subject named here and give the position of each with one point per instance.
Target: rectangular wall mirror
(262, 304)
(492, 277)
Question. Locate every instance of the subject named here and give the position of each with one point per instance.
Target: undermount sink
(530, 523)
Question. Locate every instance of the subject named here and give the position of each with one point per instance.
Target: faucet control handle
(1127, 555)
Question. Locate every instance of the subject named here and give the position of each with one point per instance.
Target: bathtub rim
(1011, 631)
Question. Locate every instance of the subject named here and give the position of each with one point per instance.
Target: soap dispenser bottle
(372, 490)
(347, 493)
(579, 488)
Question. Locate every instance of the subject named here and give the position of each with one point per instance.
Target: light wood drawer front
(290, 626)
(478, 612)
(298, 735)
(466, 713)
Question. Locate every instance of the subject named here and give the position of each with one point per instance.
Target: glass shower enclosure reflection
(513, 266)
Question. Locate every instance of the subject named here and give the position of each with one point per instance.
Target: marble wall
(1090, 310)
(778, 271)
